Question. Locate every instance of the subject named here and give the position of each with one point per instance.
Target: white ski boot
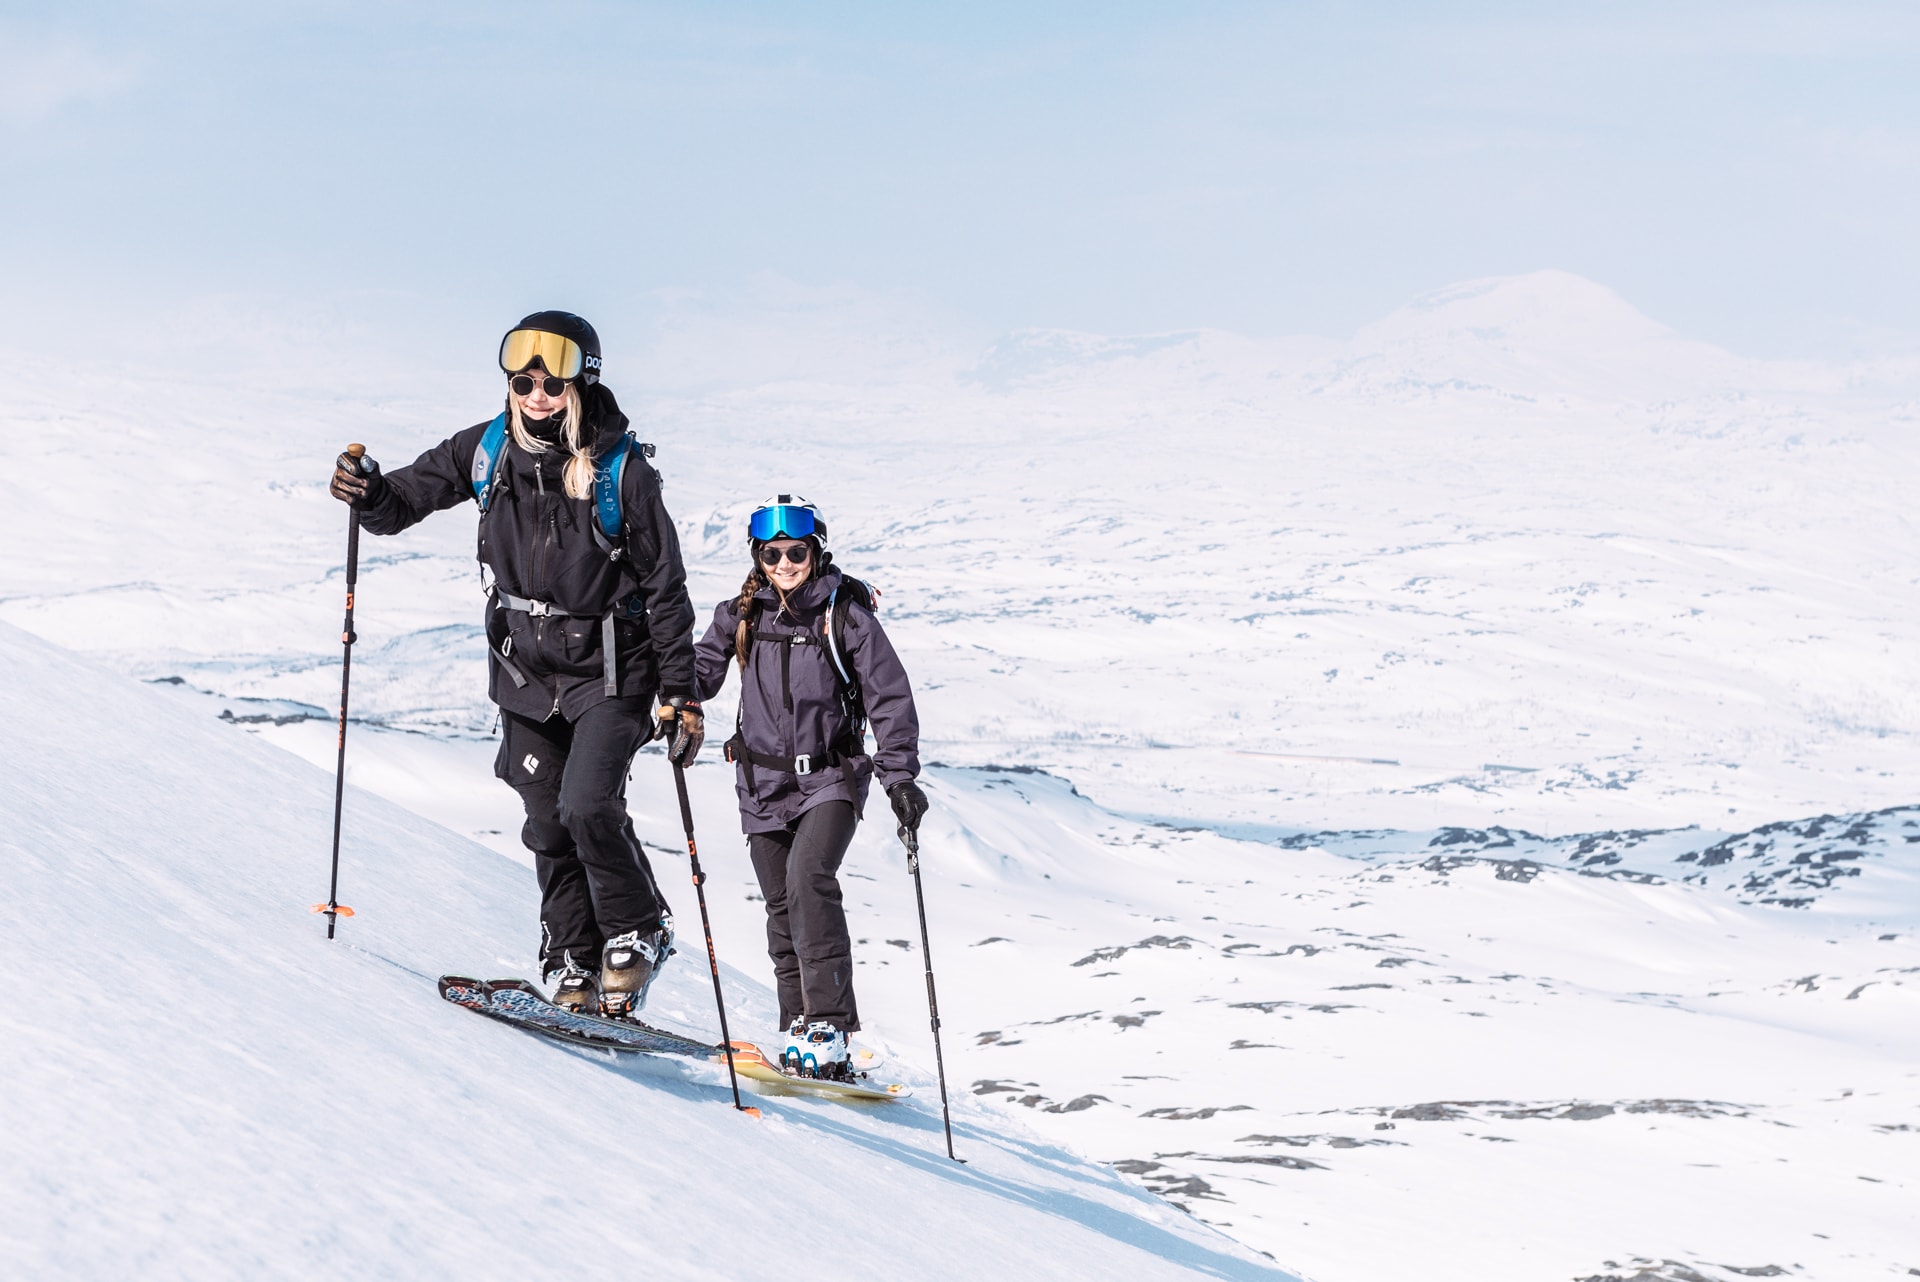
(796, 1038)
(627, 966)
(816, 1050)
(575, 988)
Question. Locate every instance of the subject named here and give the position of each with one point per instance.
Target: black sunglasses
(522, 385)
(797, 554)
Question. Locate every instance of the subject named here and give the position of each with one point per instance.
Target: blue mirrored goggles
(781, 522)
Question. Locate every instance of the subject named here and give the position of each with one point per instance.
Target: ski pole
(667, 716)
(912, 842)
(332, 907)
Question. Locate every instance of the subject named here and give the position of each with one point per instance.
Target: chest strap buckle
(803, 764)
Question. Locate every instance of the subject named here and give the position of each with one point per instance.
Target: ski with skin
(752, 1063)
(519, 1003)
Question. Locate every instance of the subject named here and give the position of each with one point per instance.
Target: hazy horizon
(1746, 176)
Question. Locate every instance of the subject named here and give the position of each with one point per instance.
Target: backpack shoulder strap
(849, 592)
(609, 471)
(486, 460)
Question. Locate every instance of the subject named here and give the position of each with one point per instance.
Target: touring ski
(519, 1003)
(752, 1063)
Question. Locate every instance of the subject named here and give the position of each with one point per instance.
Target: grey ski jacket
(790, 706)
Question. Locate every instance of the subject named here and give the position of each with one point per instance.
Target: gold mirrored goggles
(561, 356)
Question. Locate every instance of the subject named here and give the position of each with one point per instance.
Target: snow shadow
(927, 1153)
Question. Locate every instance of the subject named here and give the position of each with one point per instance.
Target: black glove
(688, 732)
(356, 480)
(909, 803)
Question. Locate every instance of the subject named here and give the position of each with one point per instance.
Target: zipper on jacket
(545, 532)
(786, 682)
(535, 580)
(549, 541)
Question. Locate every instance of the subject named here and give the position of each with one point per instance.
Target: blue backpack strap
(610, 532)
(608, 469)
(486, 460)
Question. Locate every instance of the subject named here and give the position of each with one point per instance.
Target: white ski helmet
(787, 516)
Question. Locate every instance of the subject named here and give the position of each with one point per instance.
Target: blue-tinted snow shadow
(927, 1152)
(686, 1079)
(678, 1075)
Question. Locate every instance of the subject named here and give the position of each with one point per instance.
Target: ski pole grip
(356, 452)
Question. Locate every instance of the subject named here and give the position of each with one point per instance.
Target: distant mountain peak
(1546, 308)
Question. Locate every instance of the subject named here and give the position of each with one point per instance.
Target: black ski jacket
(540, 545)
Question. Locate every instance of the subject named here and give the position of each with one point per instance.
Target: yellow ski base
(750, 1062)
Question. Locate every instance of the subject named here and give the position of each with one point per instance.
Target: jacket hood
(604, 419)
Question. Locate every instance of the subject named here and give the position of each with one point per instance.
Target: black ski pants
(595, 881)
(806, 923)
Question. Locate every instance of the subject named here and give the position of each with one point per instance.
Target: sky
(1746, 173)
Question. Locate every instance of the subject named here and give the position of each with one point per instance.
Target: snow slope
(1453, 1054)
(201, 1086)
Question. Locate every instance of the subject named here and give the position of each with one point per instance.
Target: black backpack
(850, 591)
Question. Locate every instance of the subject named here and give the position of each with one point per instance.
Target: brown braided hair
(743, 609)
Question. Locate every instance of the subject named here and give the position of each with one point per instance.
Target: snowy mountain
(1436, 804)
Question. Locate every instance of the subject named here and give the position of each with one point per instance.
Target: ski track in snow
(1430, 806)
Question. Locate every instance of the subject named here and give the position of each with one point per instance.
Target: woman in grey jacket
(815, 669)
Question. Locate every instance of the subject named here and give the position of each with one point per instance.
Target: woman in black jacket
(587, 621)
(814, 667)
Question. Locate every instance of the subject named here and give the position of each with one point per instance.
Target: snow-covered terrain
(1432, 805)
(201, 1086)
(1515, 554)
